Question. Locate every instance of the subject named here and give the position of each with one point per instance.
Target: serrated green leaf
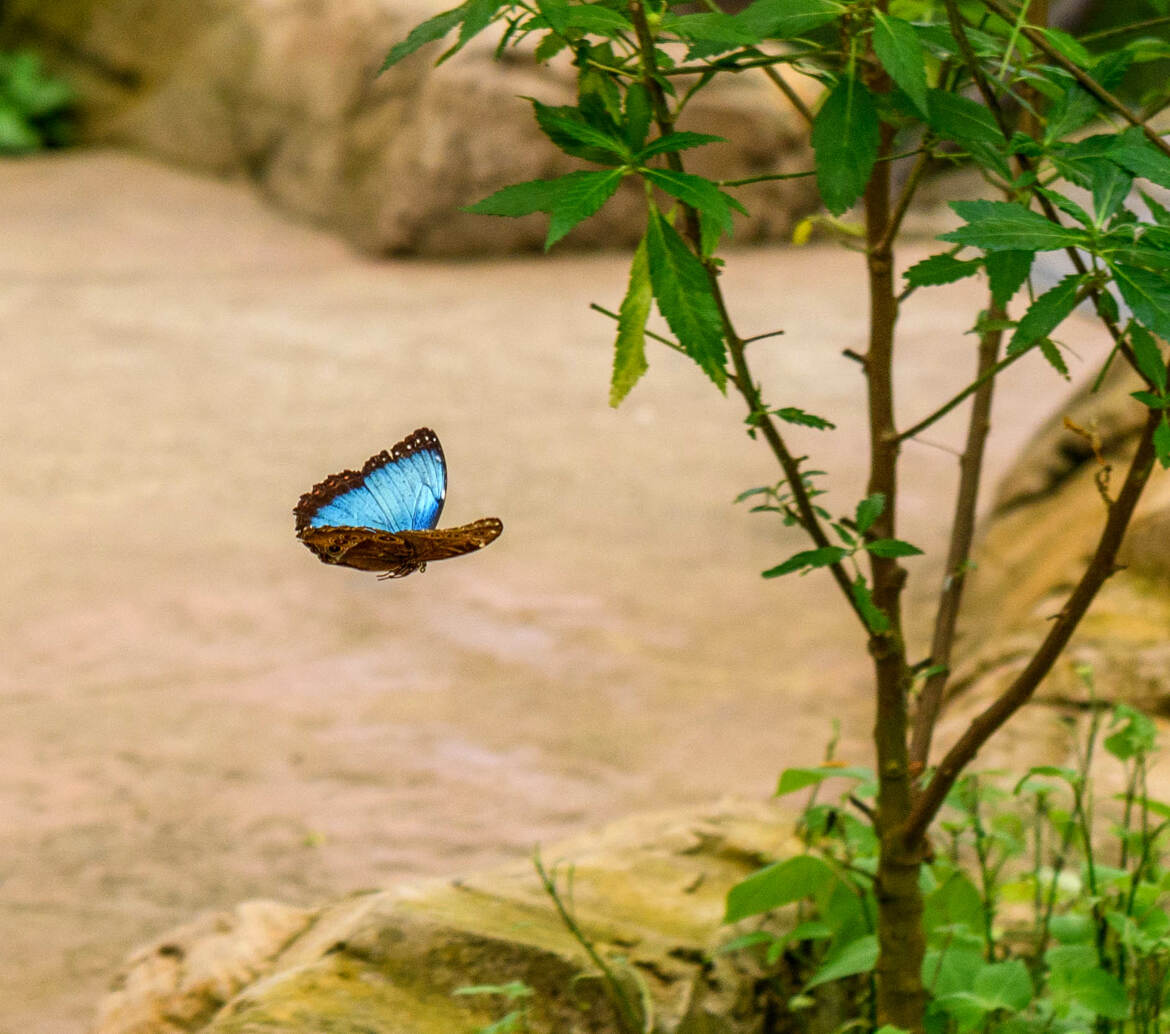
(1006, 273)
(869, 510)
(684, 298)
(477, 16)
(711, 27)
(897, 47)
(941, 269)
(424, 33)
(785, 19)
(875, 618)
(1150, 400)
(891, 548)
(521, 198)
(677, 142)
(700, 194)
(638, 116)
(1162, 442)
(555, 12)
(859, 956)
(1004, 226)
(629, 361)
(1111, 186)
(796, 415)
(1046, 313)
(777, 885)
(1148, 355)
(962, 120)
(1052, 354)
(807, 560)
(597, 19)
(845, 138)
(582, 194)
(569, 129)
(1148, 296)
(1132, 151)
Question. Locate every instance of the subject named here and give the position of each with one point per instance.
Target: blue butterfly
(383, 517)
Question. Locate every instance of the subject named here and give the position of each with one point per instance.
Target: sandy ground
(193, 710)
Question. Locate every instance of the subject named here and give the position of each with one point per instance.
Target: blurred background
(232, 263)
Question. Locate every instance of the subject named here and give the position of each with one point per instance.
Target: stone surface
(647, 893)
(286, 93)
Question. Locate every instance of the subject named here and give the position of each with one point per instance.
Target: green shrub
(35, 108)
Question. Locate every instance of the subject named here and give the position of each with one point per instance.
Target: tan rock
(647, 892)
(287, 93)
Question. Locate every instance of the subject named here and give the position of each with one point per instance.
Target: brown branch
(1100, 568)
(959, 552)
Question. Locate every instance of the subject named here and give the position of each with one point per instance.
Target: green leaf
(638, 116)
(1111, 186)
(1006, 273)
(859, 956)
(1162, 442)
(568, 200)
(1046, 313)
(896, 44)
(826, 556)
(16, 135)
(711, 27)
(784, 19)
(684, 298)
(582, 194)
(1148, 296)
(970, 125)
(1003, 226)
(795, 415)
(572, 132)
(1052, 354)
(954, 902)
(1100, 992)
(1148, 355)
(477, 16)
(597, 19)
(777, 885)
(677, 142)
(629, 360)
(875, 618)
(1132, 151)
(794, 779)
(1004, 985)
(424, 33)
(891, 548)
(941, 269)
(700, 194)
(845, 141)
(869, 510)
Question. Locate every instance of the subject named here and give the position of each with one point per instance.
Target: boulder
(647, 893)
(287, 93)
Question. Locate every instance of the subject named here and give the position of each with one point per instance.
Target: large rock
(1043, 529)
(287, 93)
(648, 893)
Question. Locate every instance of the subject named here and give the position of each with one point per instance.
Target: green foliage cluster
(35, 108)
(1036, 920)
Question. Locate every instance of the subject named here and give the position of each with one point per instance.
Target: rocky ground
(194, 711)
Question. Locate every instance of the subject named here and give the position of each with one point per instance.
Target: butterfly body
(382, 518)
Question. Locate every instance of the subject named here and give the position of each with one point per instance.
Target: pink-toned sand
(193, 710)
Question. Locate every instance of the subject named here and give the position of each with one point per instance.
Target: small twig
(793, 97)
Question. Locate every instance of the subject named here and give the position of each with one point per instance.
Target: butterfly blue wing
(400, 490)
